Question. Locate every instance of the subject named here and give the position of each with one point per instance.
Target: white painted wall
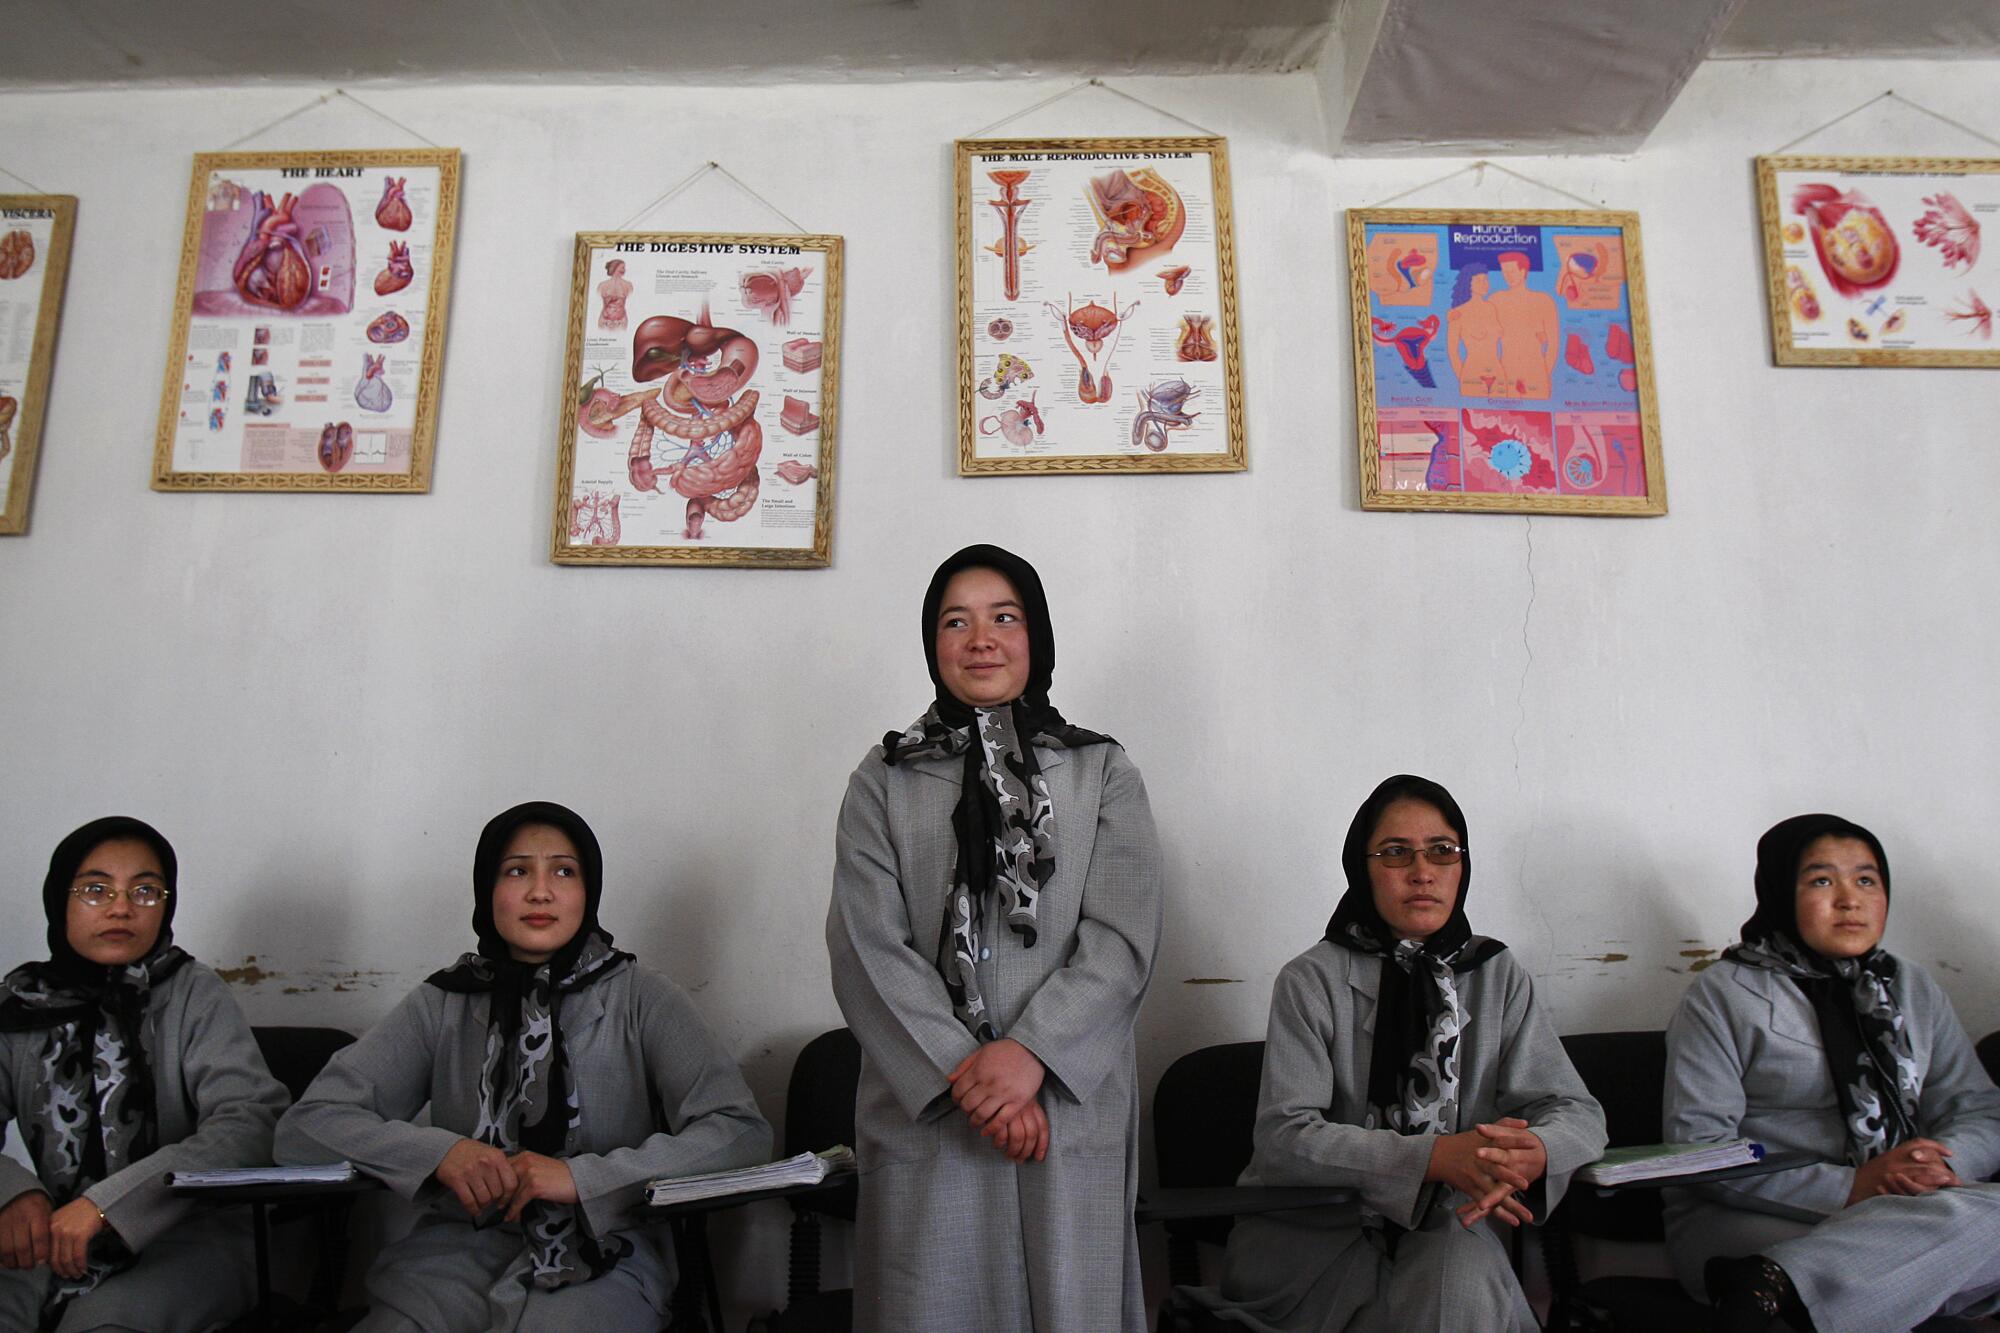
(322, 698)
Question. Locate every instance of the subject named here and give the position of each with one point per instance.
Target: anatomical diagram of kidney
(1139, 217)
(697, 434)
(336, 446)
(373, 392)
(17, 254)
(398, 273)
(393, 212)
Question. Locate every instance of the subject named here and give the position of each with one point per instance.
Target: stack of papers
(333, 1173)
(805, 1169)
(1663, 1161)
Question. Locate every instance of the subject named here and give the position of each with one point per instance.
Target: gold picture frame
(718, 371)
(1158, 244)
(274, 332)
(35, 235)
(1553, 429)
(1869, 261)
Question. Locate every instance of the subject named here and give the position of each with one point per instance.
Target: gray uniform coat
(216, 1104)
(1744, 1060)
(951, 1235)
(1319, 1270)
(660, 1098)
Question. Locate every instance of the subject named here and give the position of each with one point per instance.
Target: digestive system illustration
(1100, 328)
(8, 407)
(593, 518)
(705, 409)
(1139, 217)
(772, 290)
(17, 254)
(1010, 247)
(1162, 408)
(1018, 425)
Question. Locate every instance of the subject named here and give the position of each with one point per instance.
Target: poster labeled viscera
(698, 418)
(35, 231)
(1502, 362)
(1878, 261)
(1097, 322)
(309, 322)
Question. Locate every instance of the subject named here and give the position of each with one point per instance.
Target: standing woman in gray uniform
(996, 906)
(121, 1059)
(1406, 1058)
(561, 1077)
(1808, 1036)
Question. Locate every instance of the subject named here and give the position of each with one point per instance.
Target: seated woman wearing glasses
(121, 1059)
(1809, 1037)
(1407, 1060)
(561, 1077)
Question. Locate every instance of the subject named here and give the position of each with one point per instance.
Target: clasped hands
(483, 1177)
(998, 1087)
(1490, 1165)
(1912, 1167)
(34, 1231)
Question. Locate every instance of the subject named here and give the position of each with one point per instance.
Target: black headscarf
(1853, 1000)
(1411, 1003)
(526, 1097)
(1010, 845)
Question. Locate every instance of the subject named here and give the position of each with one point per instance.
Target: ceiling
(1397, 76)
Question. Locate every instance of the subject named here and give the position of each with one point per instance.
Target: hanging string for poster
(696, 175)
(321, 101)
(1479, 179)
(1101, 86)
(23, 179)
(1889, 96)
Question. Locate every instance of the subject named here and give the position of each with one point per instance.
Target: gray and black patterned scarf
(527, 1096)
(91, 1112)
(1413, 1067)
(1004, 823)
(1006, 827)
(1861, 1027)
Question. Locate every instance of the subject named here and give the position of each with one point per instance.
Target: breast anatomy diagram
(1100, 320)
(306, 326)
(1881, 259)
(696, 417)
(1504, 359)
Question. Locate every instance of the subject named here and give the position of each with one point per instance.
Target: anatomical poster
(309, 322)
(697, 422)
(1875, 261)
(1503, 362)
(1097, 327)
(35, 231)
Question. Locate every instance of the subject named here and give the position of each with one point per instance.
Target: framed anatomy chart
(698, 420)
(1503, 362)
(35, 231)
(1097, 323)
(309, 322)
(1877, 261)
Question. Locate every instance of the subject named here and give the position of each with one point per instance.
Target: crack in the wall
(1520, 721)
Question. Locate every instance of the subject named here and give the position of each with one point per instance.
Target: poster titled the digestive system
(697, 426)
(309, 322)
(35, 232)
(1097, 326)
(1876, 261)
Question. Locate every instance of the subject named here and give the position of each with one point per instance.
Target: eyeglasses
(100, 896)
(1437, 853)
